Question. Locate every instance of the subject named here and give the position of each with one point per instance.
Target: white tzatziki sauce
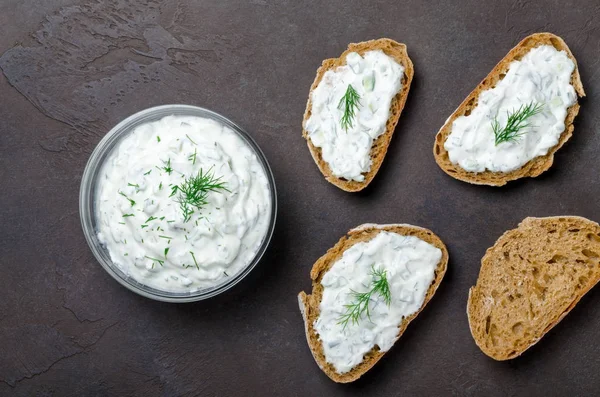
(541, 77)
(142, 223)
(409, 263)
(377, 78)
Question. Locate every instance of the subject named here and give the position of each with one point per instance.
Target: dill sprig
(349, 104)
(517, 121)
(360, 305)
(160, 261)
(193, 192)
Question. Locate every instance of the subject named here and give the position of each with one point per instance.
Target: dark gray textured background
(73, 69)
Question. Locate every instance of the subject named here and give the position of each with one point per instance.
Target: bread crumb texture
(529, 280)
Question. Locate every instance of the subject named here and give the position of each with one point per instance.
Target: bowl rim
(88, 186)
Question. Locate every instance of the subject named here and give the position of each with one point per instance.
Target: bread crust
(484, 309)
(535, 166)
(309, 304)
(379, 148)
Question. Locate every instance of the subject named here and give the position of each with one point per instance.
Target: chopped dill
(132, 202)
(191, 140)
(192, 157)
(167, 168)
(194, 258)
(160, 261)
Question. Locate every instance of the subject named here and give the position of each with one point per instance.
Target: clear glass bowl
(87, 202)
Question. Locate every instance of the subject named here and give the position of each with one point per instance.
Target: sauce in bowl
(182, 204)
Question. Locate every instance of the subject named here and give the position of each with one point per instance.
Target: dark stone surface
(73, 69)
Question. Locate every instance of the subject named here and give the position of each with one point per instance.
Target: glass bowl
(87, 202)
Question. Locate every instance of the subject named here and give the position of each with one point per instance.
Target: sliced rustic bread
(309, 304)
(529, 280)
(379, 148)
(535, 166)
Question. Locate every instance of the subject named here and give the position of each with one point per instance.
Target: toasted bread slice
(529, 280)
(535, 166)
(309, 304)
(379, 148)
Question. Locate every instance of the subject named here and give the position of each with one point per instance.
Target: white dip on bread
(409, 264)
(541, 78)
(346, 145)
(157, 215)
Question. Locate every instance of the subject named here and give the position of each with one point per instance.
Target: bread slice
(309, 304)
(392, 49)
(529, 280)
(535, 166)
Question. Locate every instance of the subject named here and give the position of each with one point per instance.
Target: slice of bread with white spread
(412, 260)
(530, 280)
(533, 81)
(355, 149)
